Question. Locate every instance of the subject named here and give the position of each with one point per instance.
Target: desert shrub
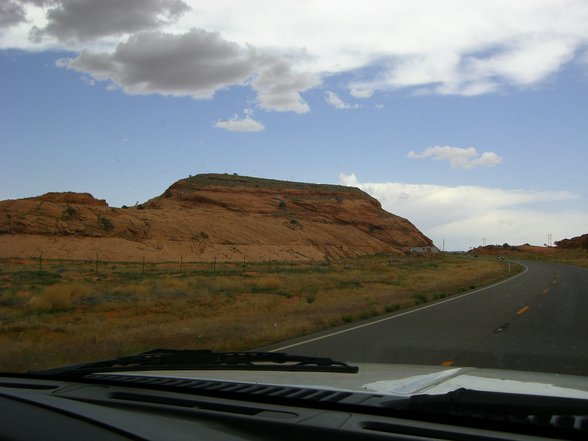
(57, 297)
(69, 213)
(368, 314)
(349, 284)
(265, 284)
(133, 290)
(393, 307)
(224, 285)
(105, 223)
(7, 300)
(171, 286)
(35, 278)
(419, 299)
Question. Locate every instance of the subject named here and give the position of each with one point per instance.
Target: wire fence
(146, 267)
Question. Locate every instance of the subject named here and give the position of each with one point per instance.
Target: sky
(470, 119)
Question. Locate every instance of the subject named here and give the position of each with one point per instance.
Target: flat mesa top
(232, 180)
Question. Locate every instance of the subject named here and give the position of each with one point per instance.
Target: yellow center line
(448, 363)
(523, 310)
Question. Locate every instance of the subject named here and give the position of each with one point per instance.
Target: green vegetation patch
(233, 180)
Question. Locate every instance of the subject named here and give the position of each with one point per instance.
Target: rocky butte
(207, 217)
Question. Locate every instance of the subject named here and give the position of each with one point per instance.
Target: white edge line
(461, 296)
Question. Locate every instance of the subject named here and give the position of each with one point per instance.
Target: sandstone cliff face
(206, 217)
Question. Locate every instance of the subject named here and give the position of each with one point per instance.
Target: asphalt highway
(536, 320)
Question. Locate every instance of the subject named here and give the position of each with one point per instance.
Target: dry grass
(571, 257)
(577, 257)
(48, 321)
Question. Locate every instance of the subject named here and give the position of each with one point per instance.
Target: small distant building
(432, 249)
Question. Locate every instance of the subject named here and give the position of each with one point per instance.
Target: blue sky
(469, 119)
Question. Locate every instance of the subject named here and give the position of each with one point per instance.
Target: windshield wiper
(188, 359)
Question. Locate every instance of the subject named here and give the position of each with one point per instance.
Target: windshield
(386, 181)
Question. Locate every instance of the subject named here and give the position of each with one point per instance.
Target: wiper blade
(472, 402)
(189, 359)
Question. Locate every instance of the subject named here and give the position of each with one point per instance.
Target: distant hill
(578, 242)
(505, 249)
(208, 216)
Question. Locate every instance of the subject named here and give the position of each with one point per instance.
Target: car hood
(400, 380)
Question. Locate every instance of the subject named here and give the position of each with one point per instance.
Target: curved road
(537, 320)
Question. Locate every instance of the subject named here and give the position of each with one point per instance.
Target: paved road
(537, 320)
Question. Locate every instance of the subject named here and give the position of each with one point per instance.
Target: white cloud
(458, 47)
(458, 157)
(348, 180)
(525, 63)
(196, 64)
(472, 88)
(11, 14)
(463, 215)
(88, 80)
(79, 20)
(583, 57)
(279, 87)
(361, 93)
(450, 47)
(245, 124)
(334, 100)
